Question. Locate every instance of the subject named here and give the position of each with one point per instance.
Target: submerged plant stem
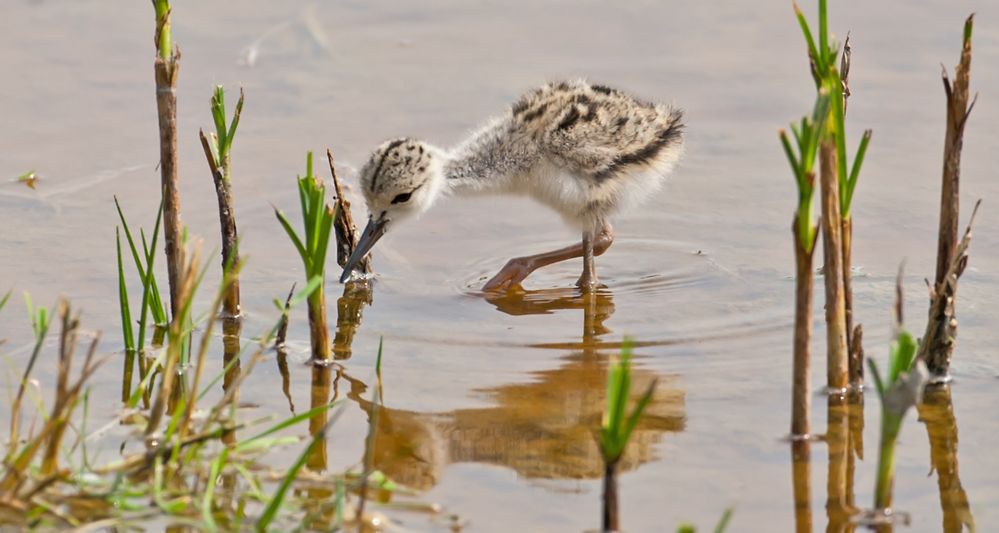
(801, 394)
(610, 508)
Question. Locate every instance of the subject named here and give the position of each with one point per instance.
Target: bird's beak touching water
(372, 232)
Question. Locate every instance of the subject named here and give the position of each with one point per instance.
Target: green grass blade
(839, 137)
(858, 161)
(876, 374)
(286, 423)
(323, 240)
(813, 51)
(274, 504)
(148, 281)
(903, 353)
(155, 301)
(218, 116)
(294, 238)
(126, 313)
(823, 30)
(235, 122)
(206, 502)
(133, 400)
(218, 377)
(723, 521)
(3, 301)
(792, 160)
(636, 414)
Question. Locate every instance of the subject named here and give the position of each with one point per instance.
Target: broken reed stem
(958, 110)
(221, 174)
(937, 345)
(610, 508)
(343, 225)
(166, 65)
(832, 247)
(854, 333)
(801, 395)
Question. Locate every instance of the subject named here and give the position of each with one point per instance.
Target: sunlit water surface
(491, 405)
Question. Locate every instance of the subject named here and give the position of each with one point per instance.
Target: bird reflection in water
(543, 429)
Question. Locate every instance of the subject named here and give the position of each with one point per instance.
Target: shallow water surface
(491, 403)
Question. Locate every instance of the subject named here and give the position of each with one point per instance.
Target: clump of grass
(617, 427)
(801, 156)
(20, 487)
(317, 218)
(838, 181)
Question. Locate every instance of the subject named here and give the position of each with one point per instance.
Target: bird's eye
(401, 198)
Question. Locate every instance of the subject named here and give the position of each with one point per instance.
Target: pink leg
(518, 268)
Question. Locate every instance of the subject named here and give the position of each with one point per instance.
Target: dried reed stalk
(937, 345)
(221, 174)
(945, 288)
(343, 226)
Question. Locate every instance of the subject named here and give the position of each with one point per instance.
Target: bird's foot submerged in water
(588, 282)
(512, 273)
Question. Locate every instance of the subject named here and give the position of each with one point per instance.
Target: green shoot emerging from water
(617, 424)
(899, 390)
(616, 429)
(317, 217)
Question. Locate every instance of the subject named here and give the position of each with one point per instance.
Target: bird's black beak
(372, 232)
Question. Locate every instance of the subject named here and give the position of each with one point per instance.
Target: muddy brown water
(491, 405)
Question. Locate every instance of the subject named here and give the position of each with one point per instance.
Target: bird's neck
(488, 161)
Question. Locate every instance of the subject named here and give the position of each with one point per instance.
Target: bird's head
(401, 179)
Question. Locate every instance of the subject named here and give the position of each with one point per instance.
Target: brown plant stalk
(837, 369)
(801, 396)
(166, 66)
(958, 110)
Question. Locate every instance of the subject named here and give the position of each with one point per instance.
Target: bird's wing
(596, 131)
